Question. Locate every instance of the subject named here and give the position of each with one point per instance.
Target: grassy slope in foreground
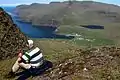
(54, 50)
(100, 65)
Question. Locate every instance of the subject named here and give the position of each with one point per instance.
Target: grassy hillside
(87, 37)
(73, 62)
(80, 12)
(50, 49)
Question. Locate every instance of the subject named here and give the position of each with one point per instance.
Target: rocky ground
(11, 38)
(92, 64)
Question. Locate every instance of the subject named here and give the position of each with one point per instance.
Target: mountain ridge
(78, 12)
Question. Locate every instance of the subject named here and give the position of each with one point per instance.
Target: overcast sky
(17, 2)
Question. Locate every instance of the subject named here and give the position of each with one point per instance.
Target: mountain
(11, 38)
(71, 17)
(80, 12)
(70, 61)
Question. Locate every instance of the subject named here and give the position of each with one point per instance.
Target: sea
(33, 31)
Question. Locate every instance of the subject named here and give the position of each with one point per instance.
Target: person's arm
(20, 60)
(20, 53)
(25, 66)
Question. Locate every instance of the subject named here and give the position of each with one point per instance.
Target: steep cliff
(11, 38)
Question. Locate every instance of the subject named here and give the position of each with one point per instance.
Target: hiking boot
(10, 75)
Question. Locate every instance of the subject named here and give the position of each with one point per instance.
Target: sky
(18, 2)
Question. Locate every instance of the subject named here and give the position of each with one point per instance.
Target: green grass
(5, 67)
(53, 50)
(98, 42)
(100, 38)
(80, 30)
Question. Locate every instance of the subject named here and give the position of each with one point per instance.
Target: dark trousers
(36, 71)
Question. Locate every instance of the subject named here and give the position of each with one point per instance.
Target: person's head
(30, 43)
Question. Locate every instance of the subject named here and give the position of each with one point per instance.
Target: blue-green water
(34, 31)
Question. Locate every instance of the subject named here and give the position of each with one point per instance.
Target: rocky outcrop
(11, 38)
